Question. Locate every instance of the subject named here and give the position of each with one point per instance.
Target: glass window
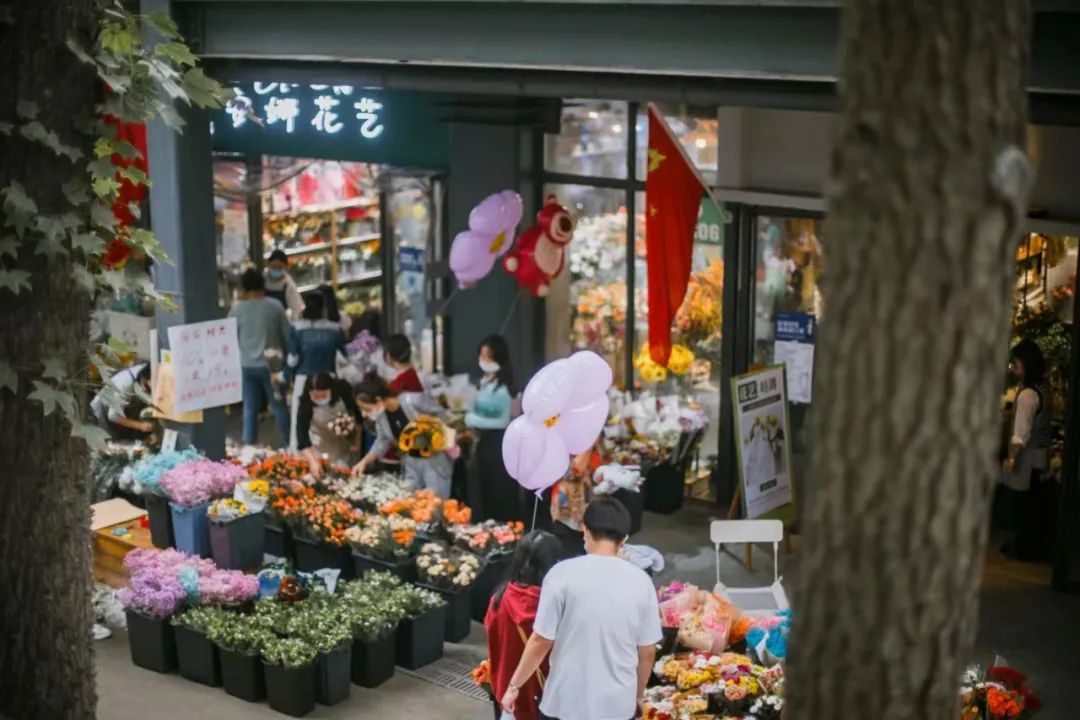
(591, 141)
(698, 131)
(789, 265)
(596, 264)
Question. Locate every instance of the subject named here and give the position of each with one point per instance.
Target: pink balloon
(470, 259)
(592, 374)
(497, 213)
(533, 456)
(548, 392)
(579, 426)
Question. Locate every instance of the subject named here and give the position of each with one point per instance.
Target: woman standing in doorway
(280, 286)
(500, 494)
(1028, 457)
(391, 412)
(314, 343)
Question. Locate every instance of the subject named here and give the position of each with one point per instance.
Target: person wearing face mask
(314, 343)
(390, 412)
(325, 398)
(280, 285)
(500, 494)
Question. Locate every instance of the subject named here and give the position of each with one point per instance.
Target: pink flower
(734, 693)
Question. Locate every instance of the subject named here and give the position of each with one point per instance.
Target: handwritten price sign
(206, 364)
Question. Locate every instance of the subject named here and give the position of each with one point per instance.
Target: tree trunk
(927, 193)
(46, 661)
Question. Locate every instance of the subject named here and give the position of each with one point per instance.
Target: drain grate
(450, 674)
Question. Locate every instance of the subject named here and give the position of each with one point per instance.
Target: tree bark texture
(46, 659)
(928, 187)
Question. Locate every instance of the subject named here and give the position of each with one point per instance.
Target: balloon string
(536, 506)
(509, 314)
(446, 304)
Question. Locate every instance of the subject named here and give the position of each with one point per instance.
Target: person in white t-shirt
(598, 617)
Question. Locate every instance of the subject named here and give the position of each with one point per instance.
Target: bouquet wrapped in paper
(425, 436)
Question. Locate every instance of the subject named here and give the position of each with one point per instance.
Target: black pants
(500, 494)
(1035, 519)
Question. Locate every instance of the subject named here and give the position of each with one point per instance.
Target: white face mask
(374, 414)
(489, 366)
(323, 402)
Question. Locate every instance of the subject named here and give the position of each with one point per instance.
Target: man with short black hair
(261, 325)
(598, 616)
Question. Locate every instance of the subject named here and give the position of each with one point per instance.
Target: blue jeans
(257, 386)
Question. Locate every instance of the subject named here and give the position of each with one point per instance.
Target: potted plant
(383, 543)
(330, 633)
(146, 475)
(196, 655)
(375, 613)
(289, 664)
(237, 534)
(149, 600)
(493, 542)
(239, 639)
(451, 573)
(190, 488)
(420, 634)
(318, 524)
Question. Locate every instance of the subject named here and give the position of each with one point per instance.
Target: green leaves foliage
(9, 379)
(14, 281)
(52, 398)
(92, 435)
(35, 131)
(19, 208)
(178, 52)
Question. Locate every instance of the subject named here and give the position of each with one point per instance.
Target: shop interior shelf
(323, 246)
(361, 278)
(323, 208)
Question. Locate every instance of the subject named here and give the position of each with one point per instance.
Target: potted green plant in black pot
(289, 664)
(197, 656)
(420, 634)
(374, 613)
(325, 623)
(451, 573)
(239, 639)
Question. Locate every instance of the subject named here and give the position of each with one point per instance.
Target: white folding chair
(763, 599)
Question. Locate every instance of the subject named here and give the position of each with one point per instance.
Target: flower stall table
(111, 544)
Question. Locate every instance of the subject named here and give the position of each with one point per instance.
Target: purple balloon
(579, 426)
(497, 213)
(533, 456)
(592, 374)
(470, 259)
(548, 392)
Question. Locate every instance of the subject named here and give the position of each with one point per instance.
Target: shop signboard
(793, 347)
(206, 364)
(335, 122)
(762, 441)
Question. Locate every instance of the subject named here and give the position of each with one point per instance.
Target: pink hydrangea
(200, 481)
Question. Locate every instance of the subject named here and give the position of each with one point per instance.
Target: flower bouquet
(481, 675)
(343, 426)
(455, 512)
(999, 693)
(425, 436)
(488, 538)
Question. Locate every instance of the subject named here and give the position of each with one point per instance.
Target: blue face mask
(275, 274)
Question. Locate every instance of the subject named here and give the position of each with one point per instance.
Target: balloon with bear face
(539, 254)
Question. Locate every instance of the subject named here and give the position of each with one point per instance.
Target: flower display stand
(634, 504)
(312, 555)
(404, 569)
(191, 529)
(458, 612)
(238, 544)
(373, 662)
(153, 645)
(277, 540)
(197, 657)
(242, 675)
(161, 527)
(333, 671)
(290, 691)
(489, 577)
(420, 639)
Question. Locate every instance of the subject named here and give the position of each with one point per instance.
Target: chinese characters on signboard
(793, 347)
(206, 364)
(761, 438)
(328, 109)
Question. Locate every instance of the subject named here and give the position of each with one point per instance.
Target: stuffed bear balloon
(539, 254)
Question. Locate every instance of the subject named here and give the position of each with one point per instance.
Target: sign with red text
(206, 364)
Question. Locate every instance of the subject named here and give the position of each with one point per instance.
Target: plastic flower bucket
(161, 527)
(197, 657)
(373, 662)
(278, 540)
(458, 612)
(332, 672)
(192, 529)
(153, 645)
(420, 639)
(404, 569)
(291, 691)
(242, 675)
(312, 555)
(238, 544)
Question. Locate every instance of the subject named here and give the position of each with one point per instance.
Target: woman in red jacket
(510, 616)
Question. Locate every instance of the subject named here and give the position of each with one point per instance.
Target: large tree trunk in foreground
(46, 661)
(928, 188)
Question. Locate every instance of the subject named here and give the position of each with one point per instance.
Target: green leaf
(76, 191)
(54, 368)
(204, 91)
(101, 215)
(115, 279)
(147, 241)
(163, 24)
(134, 175)
(52, 230)
(94, 436)
(5, 128)
(116, 82)
(89, 243)
(83, 278)
(178, 52)
(9, 245)
(101, 168)
(14, 280)
(135, 210)
(35, 131)
(18, 207)
(51, 398)
(8, 377)
(168, 115)
(103, 147)
(26, 109)
(80, 52)
(105, 187)
(126, 149)
(119, 39)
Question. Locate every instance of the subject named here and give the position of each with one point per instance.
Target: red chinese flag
(673, 192)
